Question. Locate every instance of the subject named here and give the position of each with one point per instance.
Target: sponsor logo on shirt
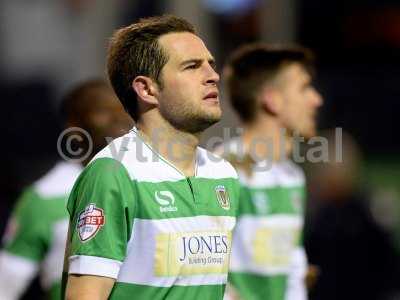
(166, 200)
(89, 222)
(273, 246)
(192, 253)
(223, 197)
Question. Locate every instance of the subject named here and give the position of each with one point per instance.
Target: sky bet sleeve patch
(90, 221)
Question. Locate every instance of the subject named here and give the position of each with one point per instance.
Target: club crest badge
(223, 197)
(89, 222)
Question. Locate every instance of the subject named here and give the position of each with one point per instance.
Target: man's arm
(101, 206)
(25, 244)
(84, 287)
(15, 275)
(296, 287)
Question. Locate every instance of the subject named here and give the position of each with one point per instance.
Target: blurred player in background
(156, 221)
(35, 239)
(270, 88)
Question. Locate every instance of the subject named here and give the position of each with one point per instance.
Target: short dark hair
(252, 65)
(75, 99)
(134, 50)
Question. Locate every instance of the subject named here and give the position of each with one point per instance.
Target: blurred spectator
(354, 256)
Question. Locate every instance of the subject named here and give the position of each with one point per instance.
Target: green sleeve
(101, 208)
(303, 214)
(28, 233)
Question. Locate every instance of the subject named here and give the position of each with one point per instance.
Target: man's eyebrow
(211, 61)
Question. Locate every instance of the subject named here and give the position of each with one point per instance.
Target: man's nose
(317, 98)
(212, 75)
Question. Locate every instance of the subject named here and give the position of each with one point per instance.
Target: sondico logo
(166, 200)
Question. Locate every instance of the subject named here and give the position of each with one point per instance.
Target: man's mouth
(212, 96)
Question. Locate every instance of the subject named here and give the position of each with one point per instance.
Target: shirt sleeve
(302, 212)
(25, 242)
(101, 207)
(16, 272)
(27, 234)
(296, 287)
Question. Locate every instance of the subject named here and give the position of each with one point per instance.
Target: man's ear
(271, 101)
(146, 89)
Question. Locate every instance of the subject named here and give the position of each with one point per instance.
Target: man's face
(300, 100)
(189, 96)
(104, 116)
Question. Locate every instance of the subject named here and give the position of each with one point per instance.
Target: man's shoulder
(120, 154)
(103, 169)
(118, 148)
(214, 165)
(261, 174)
(292, 171)
(58, 182)
(138, 159)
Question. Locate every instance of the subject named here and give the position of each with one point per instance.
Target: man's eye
(194, 66)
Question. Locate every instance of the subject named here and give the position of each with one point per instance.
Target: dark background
(356, 42)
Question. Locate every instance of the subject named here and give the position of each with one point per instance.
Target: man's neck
(266, 139)
(177, 147)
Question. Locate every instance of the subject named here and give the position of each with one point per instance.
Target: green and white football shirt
(160, 234)
(36, 234)
(268, 260)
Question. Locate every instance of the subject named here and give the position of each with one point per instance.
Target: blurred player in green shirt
(270, 89)
(34, 242)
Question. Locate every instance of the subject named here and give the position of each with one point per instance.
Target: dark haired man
(270, 89)
(155, 220)
(35, 238)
